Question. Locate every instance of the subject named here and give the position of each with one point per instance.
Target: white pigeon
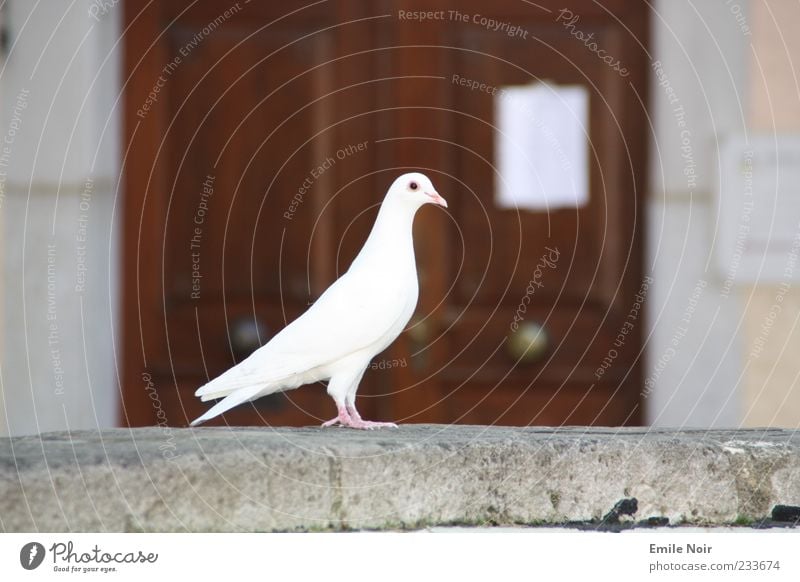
(356, 318)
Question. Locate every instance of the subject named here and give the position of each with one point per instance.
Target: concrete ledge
(247, 479)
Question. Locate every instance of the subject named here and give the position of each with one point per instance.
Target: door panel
(253, 178)
(578, 303)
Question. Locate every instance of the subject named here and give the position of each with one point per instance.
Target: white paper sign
(542, 147)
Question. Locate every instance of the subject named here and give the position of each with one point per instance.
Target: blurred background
(179, 179)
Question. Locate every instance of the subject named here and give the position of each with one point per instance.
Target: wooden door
(487, 257)
(260, 140)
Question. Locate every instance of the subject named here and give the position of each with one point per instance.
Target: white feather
(357, 317)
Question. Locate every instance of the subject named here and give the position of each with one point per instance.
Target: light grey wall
(59, 81)
(694, 354)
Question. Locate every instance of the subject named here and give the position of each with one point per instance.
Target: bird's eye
(413, 185)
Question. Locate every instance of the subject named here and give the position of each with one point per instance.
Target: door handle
(246, 336)
(419, 333)
(528, 343)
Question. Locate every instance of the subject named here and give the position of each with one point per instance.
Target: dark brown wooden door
(260, 140)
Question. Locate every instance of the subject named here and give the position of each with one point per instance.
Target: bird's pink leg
(367, 424)
(348, 416)
(343, 418)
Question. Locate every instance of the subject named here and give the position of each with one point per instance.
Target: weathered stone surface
(249, 479)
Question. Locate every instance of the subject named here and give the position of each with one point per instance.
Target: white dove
(356, 318)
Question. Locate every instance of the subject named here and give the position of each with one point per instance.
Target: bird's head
(415, 189)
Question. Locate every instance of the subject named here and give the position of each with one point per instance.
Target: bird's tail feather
(222, 386)
(221, 392)
(237, 379)
(231, 400)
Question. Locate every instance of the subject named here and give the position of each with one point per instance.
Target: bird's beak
(436, 199)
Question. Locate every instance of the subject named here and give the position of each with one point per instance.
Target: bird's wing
(352, 314)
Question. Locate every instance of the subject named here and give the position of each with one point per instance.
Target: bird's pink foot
(351, 419)
(367, 424)
(342, 418)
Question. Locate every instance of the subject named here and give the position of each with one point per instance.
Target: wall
(60, 161)
(698, 97)
(733, 67)
(772, 395)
